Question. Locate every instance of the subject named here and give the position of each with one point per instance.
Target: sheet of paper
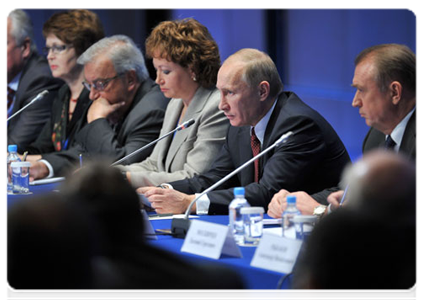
(47, 180)
(166, 217)
(290, 233)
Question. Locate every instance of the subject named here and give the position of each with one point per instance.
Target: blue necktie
(389, 143)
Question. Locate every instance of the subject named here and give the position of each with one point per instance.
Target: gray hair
(123, 53)
(22, 28)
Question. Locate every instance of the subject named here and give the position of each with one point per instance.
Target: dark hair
(353, 249)
(81, 28)
(393, 62)
(50, 244)
(188, 43)
(109, 199)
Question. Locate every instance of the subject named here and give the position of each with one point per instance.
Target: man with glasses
(28, 74)
(126, 112)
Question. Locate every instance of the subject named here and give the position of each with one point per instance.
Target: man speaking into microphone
(260, 112)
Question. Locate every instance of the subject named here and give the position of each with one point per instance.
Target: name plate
(276, 253)
(210, 240)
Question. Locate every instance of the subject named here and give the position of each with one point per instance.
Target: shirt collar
(15, 82)
(260, 127)
(398, 133)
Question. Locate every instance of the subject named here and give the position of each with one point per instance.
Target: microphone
(183, 126)
(180, 226)
(38, 97)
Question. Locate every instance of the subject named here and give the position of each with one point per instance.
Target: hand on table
(38, 170)
(167, 200)
(305, 203)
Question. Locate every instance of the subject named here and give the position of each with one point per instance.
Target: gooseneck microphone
(180, 226)
(38, 97)
(183, 126)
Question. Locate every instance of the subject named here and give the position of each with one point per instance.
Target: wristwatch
(319, 211)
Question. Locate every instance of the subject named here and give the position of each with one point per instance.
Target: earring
(194, 78)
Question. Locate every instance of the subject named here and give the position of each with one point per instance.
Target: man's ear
(131, 77)
(395, 88)
(264, 90)
(26, 48)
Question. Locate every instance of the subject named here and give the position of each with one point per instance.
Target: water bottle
(288, 226)
(11, 157)
(235, 218)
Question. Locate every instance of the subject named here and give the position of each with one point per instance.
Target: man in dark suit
(126, 113)
(253, 100)
(385, 79)
(28, 74)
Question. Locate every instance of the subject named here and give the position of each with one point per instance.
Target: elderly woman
(186, 59)
(68, 34)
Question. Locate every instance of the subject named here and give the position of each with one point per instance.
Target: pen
(80, 160)
(24, 156)
(343, 196)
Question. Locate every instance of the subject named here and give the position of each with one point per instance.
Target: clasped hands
(166, 201)
(305, 203)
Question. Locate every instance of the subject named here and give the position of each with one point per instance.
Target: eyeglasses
(99, 84)
(56, 49)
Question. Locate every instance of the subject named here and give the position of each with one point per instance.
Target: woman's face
(62, 59)
(174, 80)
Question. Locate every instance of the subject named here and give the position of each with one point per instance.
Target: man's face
(16, 54)
(374, 106)
(239, 102)
(101, 70)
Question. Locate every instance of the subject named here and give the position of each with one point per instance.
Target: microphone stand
(38, 97)
(179, 128)
(180, 226)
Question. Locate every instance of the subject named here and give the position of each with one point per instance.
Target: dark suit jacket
(36, 77)
(376, 139)
(311, 160)
(44, 144)
(98, 140)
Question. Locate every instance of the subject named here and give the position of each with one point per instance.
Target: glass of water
(20, 177)
(253, 224)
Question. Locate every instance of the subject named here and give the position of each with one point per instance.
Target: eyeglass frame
(56, 49)
(103, 82)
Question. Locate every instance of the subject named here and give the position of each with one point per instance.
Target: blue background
(313, 49)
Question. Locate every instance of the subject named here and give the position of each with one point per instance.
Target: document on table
(170, 216)
(47, 180)
(290, 233)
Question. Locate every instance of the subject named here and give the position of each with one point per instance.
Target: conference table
(254, 278)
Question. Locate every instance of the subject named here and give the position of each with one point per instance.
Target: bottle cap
(291, 199)
(252, 210)
(20, 164)
(12, 148)
(239, 191)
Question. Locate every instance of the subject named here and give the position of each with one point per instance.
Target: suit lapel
(408, 144)
(196, 106)
(171, 124)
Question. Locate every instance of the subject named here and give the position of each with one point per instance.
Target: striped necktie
(255, 146)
